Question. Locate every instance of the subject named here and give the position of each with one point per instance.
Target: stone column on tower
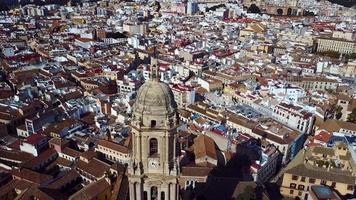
(138, 190)
(132, 191)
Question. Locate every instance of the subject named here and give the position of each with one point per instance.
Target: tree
(338, 113)
(331, 54)
(352, 116)
(254, 9)
(350, 56)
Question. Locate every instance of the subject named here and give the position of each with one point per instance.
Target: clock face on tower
(154, 163)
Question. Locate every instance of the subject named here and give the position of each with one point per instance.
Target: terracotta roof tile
(333, 125)
(15, 155)
(31, 176)
(196, 171)
(204, 146)
(113, 146)
(63, 180)
(94, 167)
(44, 156)
(91, 191)
(71, 152)
(323, 136)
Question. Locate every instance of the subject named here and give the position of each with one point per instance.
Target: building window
(162, 195)
(291, 191)
(154, 195)
(350, 187)
(153, 146)
(153, 123)
(333, 184)
(295, 178)
(145, 195)
(323, 182)
(302, 179)
(311, 180)
(300, 187)
(293, 185)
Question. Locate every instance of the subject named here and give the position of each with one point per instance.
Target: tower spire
(155, 73)
(154, 65)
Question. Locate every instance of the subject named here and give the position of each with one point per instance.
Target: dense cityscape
(168, 100)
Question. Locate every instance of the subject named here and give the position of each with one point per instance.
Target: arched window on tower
(153, 123)
(145, 195)
(153, 146)
(154, 194)
(162, 195)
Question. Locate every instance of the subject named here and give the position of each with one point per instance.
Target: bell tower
(153, 169)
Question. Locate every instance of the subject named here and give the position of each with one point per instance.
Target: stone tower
(153, 169)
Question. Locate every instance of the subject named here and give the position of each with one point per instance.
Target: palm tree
(352, 116)
(338, 113)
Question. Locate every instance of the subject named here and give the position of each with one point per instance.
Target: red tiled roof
(92, 190)
(113, 146)
(196, 171)
(15, 155)
(42, 158)
(15, 145)
(323, 136)
(71, 152)
(312, 144)
(34, 139)
(31, 176)
(95, 167)
(65, 179)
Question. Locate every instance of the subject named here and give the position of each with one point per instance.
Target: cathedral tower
(153, 169)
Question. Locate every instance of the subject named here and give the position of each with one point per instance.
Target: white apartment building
(183, 95)
(287, 92)
(33, 144)
(294, 116)
(113, 151)
(266, 167)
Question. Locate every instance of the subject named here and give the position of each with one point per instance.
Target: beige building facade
(334, 44)
(333, 167)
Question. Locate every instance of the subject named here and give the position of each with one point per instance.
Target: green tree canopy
(352, 116)
(338, 113)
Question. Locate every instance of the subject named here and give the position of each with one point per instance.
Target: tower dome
(155, 106)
